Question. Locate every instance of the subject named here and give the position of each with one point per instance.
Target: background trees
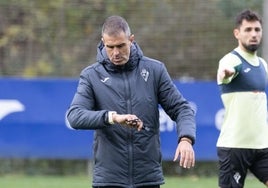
(59, 37)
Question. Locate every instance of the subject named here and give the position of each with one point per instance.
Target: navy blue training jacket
(123, 156)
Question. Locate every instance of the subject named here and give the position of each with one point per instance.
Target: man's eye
(258, 29)
(120, 46)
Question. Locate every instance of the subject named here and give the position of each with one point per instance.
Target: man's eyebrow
(118, 45)
(252, 28)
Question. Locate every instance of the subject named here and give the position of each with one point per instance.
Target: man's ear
(236, 33)
(131, 38)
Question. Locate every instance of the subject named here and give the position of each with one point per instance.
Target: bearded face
(249, 35)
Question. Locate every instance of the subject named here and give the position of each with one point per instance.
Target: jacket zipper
(130, 131)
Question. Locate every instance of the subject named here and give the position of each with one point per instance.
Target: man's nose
(116, 51)
(254, 33)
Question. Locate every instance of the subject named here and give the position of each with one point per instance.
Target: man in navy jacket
(119, 97)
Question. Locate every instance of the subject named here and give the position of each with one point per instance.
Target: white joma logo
(105, 79)
(10, 106)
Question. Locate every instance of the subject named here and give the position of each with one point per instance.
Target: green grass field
(22, 181)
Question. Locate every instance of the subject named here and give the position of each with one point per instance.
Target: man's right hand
(226, 73)
(128, 120)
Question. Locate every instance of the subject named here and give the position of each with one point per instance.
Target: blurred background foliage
(57, 38)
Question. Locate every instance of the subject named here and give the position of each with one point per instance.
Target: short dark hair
(113, 25)
(247, 15)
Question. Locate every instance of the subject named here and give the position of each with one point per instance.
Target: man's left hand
(186, 154)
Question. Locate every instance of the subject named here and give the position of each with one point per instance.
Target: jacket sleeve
(82, 113)
(176, 106)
